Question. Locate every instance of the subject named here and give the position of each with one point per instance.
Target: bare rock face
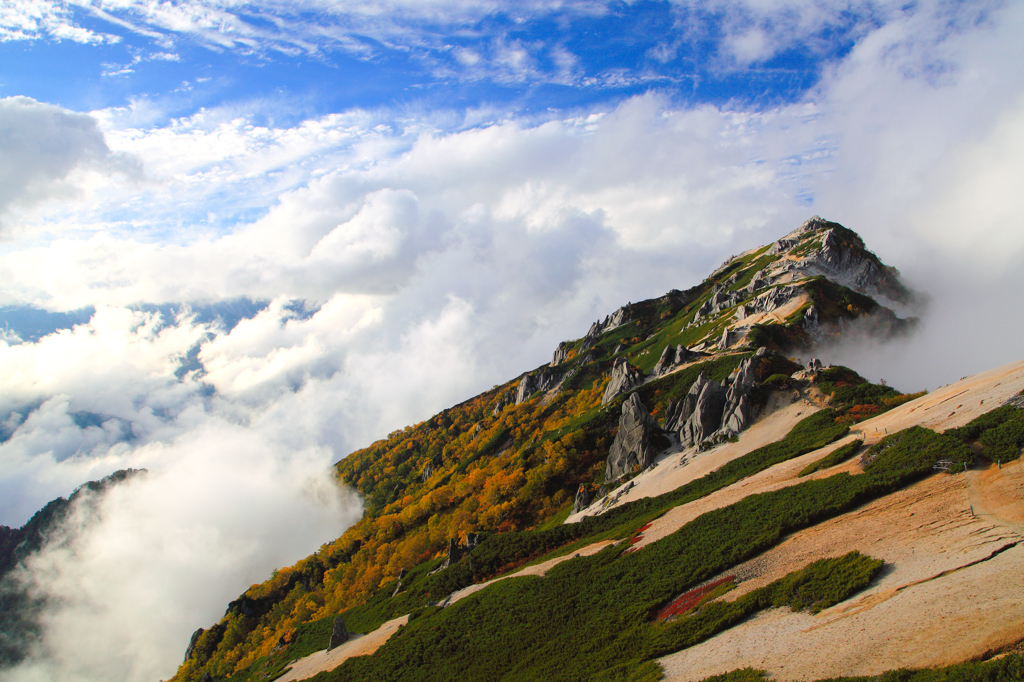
(774, 298)
(707, 414)
(561, 353)
(843, 257)
(678, 412)
(503, 402)
(544, 380)
(672, 356)
(632, 444)
(339, 635)
(624, 377)
(428, 471)
(739, 411)
(618, 318)
(582, 499)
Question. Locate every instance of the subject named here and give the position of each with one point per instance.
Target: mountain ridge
(513, 457)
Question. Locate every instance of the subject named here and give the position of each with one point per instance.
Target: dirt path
(997, 493)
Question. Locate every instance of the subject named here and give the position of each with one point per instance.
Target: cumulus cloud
(42, 145)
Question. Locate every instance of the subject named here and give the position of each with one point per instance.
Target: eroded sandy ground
(537, 569)
(951, 590)
(329, 660)
(952, 586)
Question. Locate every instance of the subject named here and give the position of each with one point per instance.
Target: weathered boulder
(665, 362)
(632, 444)
(339, 635)
(624, 377)
(706, 417)
(582, 499)
(456, 551)
(739, 411)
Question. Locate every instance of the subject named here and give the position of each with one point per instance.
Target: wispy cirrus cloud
(498, 42)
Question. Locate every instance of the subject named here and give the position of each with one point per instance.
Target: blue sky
(239, 240)
(525, 60)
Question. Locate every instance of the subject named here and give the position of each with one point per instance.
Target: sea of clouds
(435, 253)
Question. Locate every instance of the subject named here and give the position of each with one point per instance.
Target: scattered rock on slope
(624, 377)
(632, 445)
(672, 356)
(339, 635)
(582, 499)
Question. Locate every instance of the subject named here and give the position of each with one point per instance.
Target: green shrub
(837, 456)
(1000, 433)
(778, 381)
(742, 675)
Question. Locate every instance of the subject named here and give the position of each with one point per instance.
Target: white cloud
(220, 508)
(32, 19)
(43, 146)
